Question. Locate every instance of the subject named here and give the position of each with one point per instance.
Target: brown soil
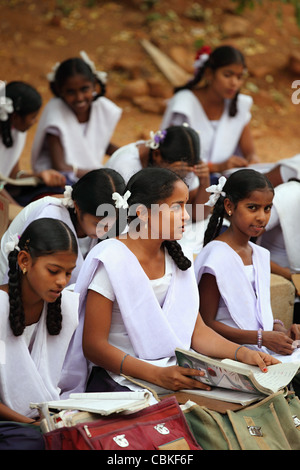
(37, 34)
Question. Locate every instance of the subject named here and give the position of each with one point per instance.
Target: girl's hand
(178, 378)
(202, 171)
(52, 178)
(256, 358)
(294, 332)
(236, 162)
(278, 341)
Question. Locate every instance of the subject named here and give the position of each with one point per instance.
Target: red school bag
(162, 426)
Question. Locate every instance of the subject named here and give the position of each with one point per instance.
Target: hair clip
(156, 138)
(13, 244)
(121, 201)
(216, 192)
(6, 107)
(67, 200)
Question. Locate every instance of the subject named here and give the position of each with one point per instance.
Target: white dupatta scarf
(25, 376)
(154, 331)
(217, 143)
(248, 310)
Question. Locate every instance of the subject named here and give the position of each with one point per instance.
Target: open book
(233, 377)
(89, 406)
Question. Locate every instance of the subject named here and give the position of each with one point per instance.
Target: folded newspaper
(227, 377)
(81, 407)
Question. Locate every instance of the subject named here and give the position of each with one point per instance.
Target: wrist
(259, 337)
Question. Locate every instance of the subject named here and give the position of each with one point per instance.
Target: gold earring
(24, 271)
(229, 213)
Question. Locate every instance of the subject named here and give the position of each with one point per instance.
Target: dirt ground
(34, 35)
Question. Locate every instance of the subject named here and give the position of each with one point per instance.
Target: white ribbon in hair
(201, 61)
(6, 107)
(67, 200)
(121, 201)
(12, 244)
(216, 191)
(51, 75)
(102, 76)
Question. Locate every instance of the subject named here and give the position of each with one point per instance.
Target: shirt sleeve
(101, 284)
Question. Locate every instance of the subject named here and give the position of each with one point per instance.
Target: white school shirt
(84, 146)
(219, 139)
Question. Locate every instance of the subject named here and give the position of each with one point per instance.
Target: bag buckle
(296, 420)
(255, 431)
(162, 429)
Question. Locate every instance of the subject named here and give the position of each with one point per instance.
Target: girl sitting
(233, 273)
(135, 318)
(76, 126)
(38, 317)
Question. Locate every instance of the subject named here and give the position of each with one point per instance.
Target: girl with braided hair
(38, 317)
(74, 131)
(212, 104)
(80, 209)
(233, 273)
(139, 297)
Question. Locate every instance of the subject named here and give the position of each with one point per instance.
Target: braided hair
(222, 56)
(42, 237)
(152, 186)
(70, 68)
(239, 186)
(25, 100)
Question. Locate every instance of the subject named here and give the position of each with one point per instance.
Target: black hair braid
(102, 86)
(215, 222)
(195, 80)
(6, 133)
(233, 106)
(176, 253)
(16, 312)
(54, 317)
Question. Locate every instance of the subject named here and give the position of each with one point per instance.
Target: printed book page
(235, 375)
(277, 377)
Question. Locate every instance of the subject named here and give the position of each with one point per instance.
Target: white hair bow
(67, 200)
(121, 201)
(201, 61)
(216, 191)
(12, 244)
(102, 76)
(6, 107)
(51, 75)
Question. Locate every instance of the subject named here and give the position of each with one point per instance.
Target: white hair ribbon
(102, 76)
(201, 61)
(51, 75)
(6, 107)
(121, 201)
(12, 244)
(216, 191)
(67, 200)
